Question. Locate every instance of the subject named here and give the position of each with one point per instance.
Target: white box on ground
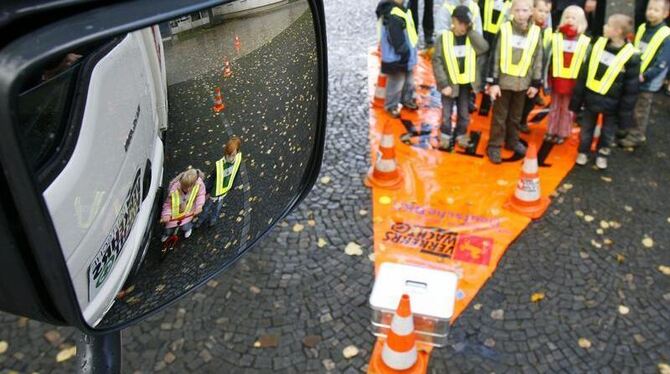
(432, 295)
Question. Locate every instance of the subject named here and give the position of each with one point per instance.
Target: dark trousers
(485, 105)
(597, 19)
(507, 110)
(640, 10)
(210, 212)
(462, 111)
(428, 24)
(587, 122)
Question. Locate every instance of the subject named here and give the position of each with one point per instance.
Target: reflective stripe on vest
(559, 70)
(473, 7)
(409, 24)
(603, 85)
(176, 201)
(451, 60)
(222, 173)
(507, 66)
(653, 46)
(489, 25)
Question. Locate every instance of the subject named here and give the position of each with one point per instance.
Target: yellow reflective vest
(451, 53)
(649, 50)
(507, 66)
(502, 6)
(581, 46)
(225, 176)
(615, 66)
(409, 24)
(175, 198)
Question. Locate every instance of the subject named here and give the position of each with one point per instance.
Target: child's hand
(641, 78)
(494, 92)
(447, 91)
(532, 91)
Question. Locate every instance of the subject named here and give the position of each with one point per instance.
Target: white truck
(103, 197)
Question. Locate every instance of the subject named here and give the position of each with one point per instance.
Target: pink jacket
(197, 206)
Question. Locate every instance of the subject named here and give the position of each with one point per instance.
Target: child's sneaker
(494, 155)
(187, 234)
(395, 113)
(411, 105)
(632, 140)
(518, 148)
(601, 162)
(463, 141)
(582, 159)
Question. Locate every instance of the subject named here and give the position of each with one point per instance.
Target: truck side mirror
(149, 145)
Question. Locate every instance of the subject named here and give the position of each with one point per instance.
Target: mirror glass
(164, 152)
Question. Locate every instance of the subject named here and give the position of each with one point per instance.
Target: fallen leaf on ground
(604, 225)
(567, 186)
(371, 257)
(600, 231)
(663, 368)
(478, 306)
(3, 346)
(362, 212)
(349, 352)
(664, 269)
(321, 243)
(588, 218)
(255, 290)
(325, 180)
(647, 242)
(353, 249)
(498, 314)
(628, 208)
(268, 341)
(584, 343)
(606, 179)
(579, 213)
(311, 222)
(607, 241)
(537, 297)
(596, 244)
(620, 258)
(623, 310)
(66, 354)
(298, 227)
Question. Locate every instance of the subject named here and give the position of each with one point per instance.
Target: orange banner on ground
(448, 212)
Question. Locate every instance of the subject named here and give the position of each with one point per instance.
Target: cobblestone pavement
(293, 305)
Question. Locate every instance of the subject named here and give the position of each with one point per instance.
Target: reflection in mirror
(163, 153)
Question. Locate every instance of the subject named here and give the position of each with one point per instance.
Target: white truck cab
(102, 194)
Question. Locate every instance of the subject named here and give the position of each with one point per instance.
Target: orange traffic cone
(237, 43)
(227, 70)
(398, 353)
(218, 101)
(380, 91)
(527, 199)
(384, 173)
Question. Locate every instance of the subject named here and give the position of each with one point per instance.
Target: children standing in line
(516, 73)
(541, 13)
(653, 42)
(399, 55)
(569, 49)
(455, 69)
(607, 84)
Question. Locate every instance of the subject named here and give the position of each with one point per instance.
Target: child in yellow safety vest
(186, 196)
(653, 42)
(220, 181)
(455, 69)
(493, 14)
(541, 18)
(608, 83)
(516, 73)
(569, 48)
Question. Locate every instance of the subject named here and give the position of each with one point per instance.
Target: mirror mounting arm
(99, 354)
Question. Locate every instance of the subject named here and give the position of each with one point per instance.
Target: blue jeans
(210, 211)
(588, 122)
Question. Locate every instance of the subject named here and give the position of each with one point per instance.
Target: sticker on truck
(109, 252)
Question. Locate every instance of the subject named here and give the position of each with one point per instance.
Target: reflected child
(186, 197)
(220, 180)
